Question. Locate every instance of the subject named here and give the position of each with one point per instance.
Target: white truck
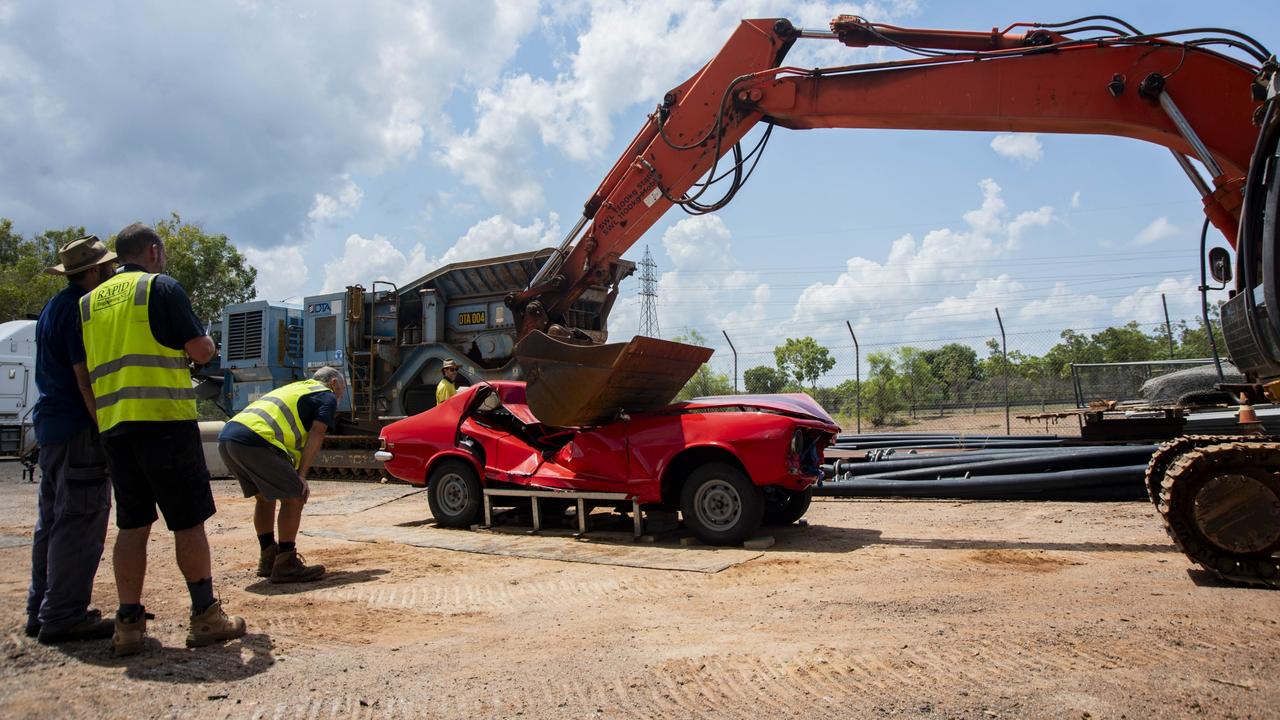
(17, 388)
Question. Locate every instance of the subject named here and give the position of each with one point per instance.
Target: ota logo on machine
(319, 308)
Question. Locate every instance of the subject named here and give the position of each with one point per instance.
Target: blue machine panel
(325, 332)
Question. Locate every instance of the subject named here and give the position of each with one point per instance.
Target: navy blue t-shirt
(60, 412)
(319, 406)
(172, 320)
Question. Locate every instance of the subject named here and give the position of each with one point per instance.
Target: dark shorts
(261, 471)
(159, 464)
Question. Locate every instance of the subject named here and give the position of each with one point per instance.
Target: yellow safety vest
(445, 390)
(274, 417)
(134, 377)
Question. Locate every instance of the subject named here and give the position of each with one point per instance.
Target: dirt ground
(985, 422)
(877, 608)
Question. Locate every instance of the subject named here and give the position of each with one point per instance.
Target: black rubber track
(1179, 488)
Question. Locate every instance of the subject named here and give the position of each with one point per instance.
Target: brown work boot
(290, 568)
(129, 635)
(267, 560)
(90, 627)
(213, 625)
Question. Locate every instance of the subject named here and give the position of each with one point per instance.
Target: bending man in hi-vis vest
(139, 331)
(270, 446)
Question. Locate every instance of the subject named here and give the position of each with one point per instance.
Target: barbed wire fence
(994, 383)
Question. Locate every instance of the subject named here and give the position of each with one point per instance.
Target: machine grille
(244, 336)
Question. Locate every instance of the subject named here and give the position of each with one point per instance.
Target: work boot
(92, 627)
(33, 627)
(213, 625)
(290, 568)
(129, 635)
(267, 560)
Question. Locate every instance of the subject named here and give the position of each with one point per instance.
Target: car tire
(721, 505)
(454, 494)
(783, 507)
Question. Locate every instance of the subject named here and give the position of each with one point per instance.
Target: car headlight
(797, 442)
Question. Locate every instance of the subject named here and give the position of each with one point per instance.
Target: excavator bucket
(575, 385)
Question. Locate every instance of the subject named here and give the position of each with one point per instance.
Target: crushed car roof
(790, 404)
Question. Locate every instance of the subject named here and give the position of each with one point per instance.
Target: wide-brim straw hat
(449, 364)
(80, 255)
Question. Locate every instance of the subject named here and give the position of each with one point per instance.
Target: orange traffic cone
(1247, 419)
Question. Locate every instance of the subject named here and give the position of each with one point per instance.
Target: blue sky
(340, 143)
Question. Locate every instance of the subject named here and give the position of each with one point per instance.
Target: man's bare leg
(129, 561)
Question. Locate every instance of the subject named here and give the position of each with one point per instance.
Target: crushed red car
(728, 464)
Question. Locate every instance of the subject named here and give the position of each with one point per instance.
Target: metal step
(580, 496)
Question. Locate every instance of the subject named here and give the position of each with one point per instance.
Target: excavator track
(1221, 506)
(1170, 451)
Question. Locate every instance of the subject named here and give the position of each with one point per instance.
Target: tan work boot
(129, 635)
(267, 560)
(290, 568)
(213, 625)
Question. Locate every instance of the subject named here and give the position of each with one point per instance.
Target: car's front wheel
(721, 504)
(454, 494)
(783, 507)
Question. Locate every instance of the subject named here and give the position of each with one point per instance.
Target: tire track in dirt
(565, 594)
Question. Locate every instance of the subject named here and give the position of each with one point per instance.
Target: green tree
(1193, 339)
(763, 379)
(1128, 343)
(705, 381)
(804, 359)
(882, 394)
(24, 288)
(212, 271)
(1075, 348)
(952, 368)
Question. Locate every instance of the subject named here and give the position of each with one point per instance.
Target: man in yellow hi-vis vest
(270, 446)
(139, 331)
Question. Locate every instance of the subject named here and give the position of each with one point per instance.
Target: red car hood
(788, 404)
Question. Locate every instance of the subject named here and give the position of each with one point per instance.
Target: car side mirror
(1220, 265)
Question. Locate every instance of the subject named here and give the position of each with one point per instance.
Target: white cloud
(705, 288)
(1023, 147)
(1145, 305)
(343, 203)
(365, 259)
(1075, 200)
(1159, 229)
(1062, 307)
(629, 52)
(914, 270)
(235, 112)
(499, 236)
(282, 271)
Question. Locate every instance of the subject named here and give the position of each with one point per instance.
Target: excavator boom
(1076, 78)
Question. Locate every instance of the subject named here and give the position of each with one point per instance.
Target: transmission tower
(649, 296)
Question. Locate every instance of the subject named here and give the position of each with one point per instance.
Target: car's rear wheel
(783, 507)
(721, 504)
(454, 494)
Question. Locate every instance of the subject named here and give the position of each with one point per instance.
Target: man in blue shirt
(75, 494)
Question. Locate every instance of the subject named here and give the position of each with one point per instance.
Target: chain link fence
(1022, 382)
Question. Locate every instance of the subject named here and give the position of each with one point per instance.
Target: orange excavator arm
(1035, 81)
(1076, 78)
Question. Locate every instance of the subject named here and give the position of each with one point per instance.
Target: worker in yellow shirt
(448, 385)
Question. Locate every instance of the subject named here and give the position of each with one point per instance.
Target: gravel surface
(877, 608)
